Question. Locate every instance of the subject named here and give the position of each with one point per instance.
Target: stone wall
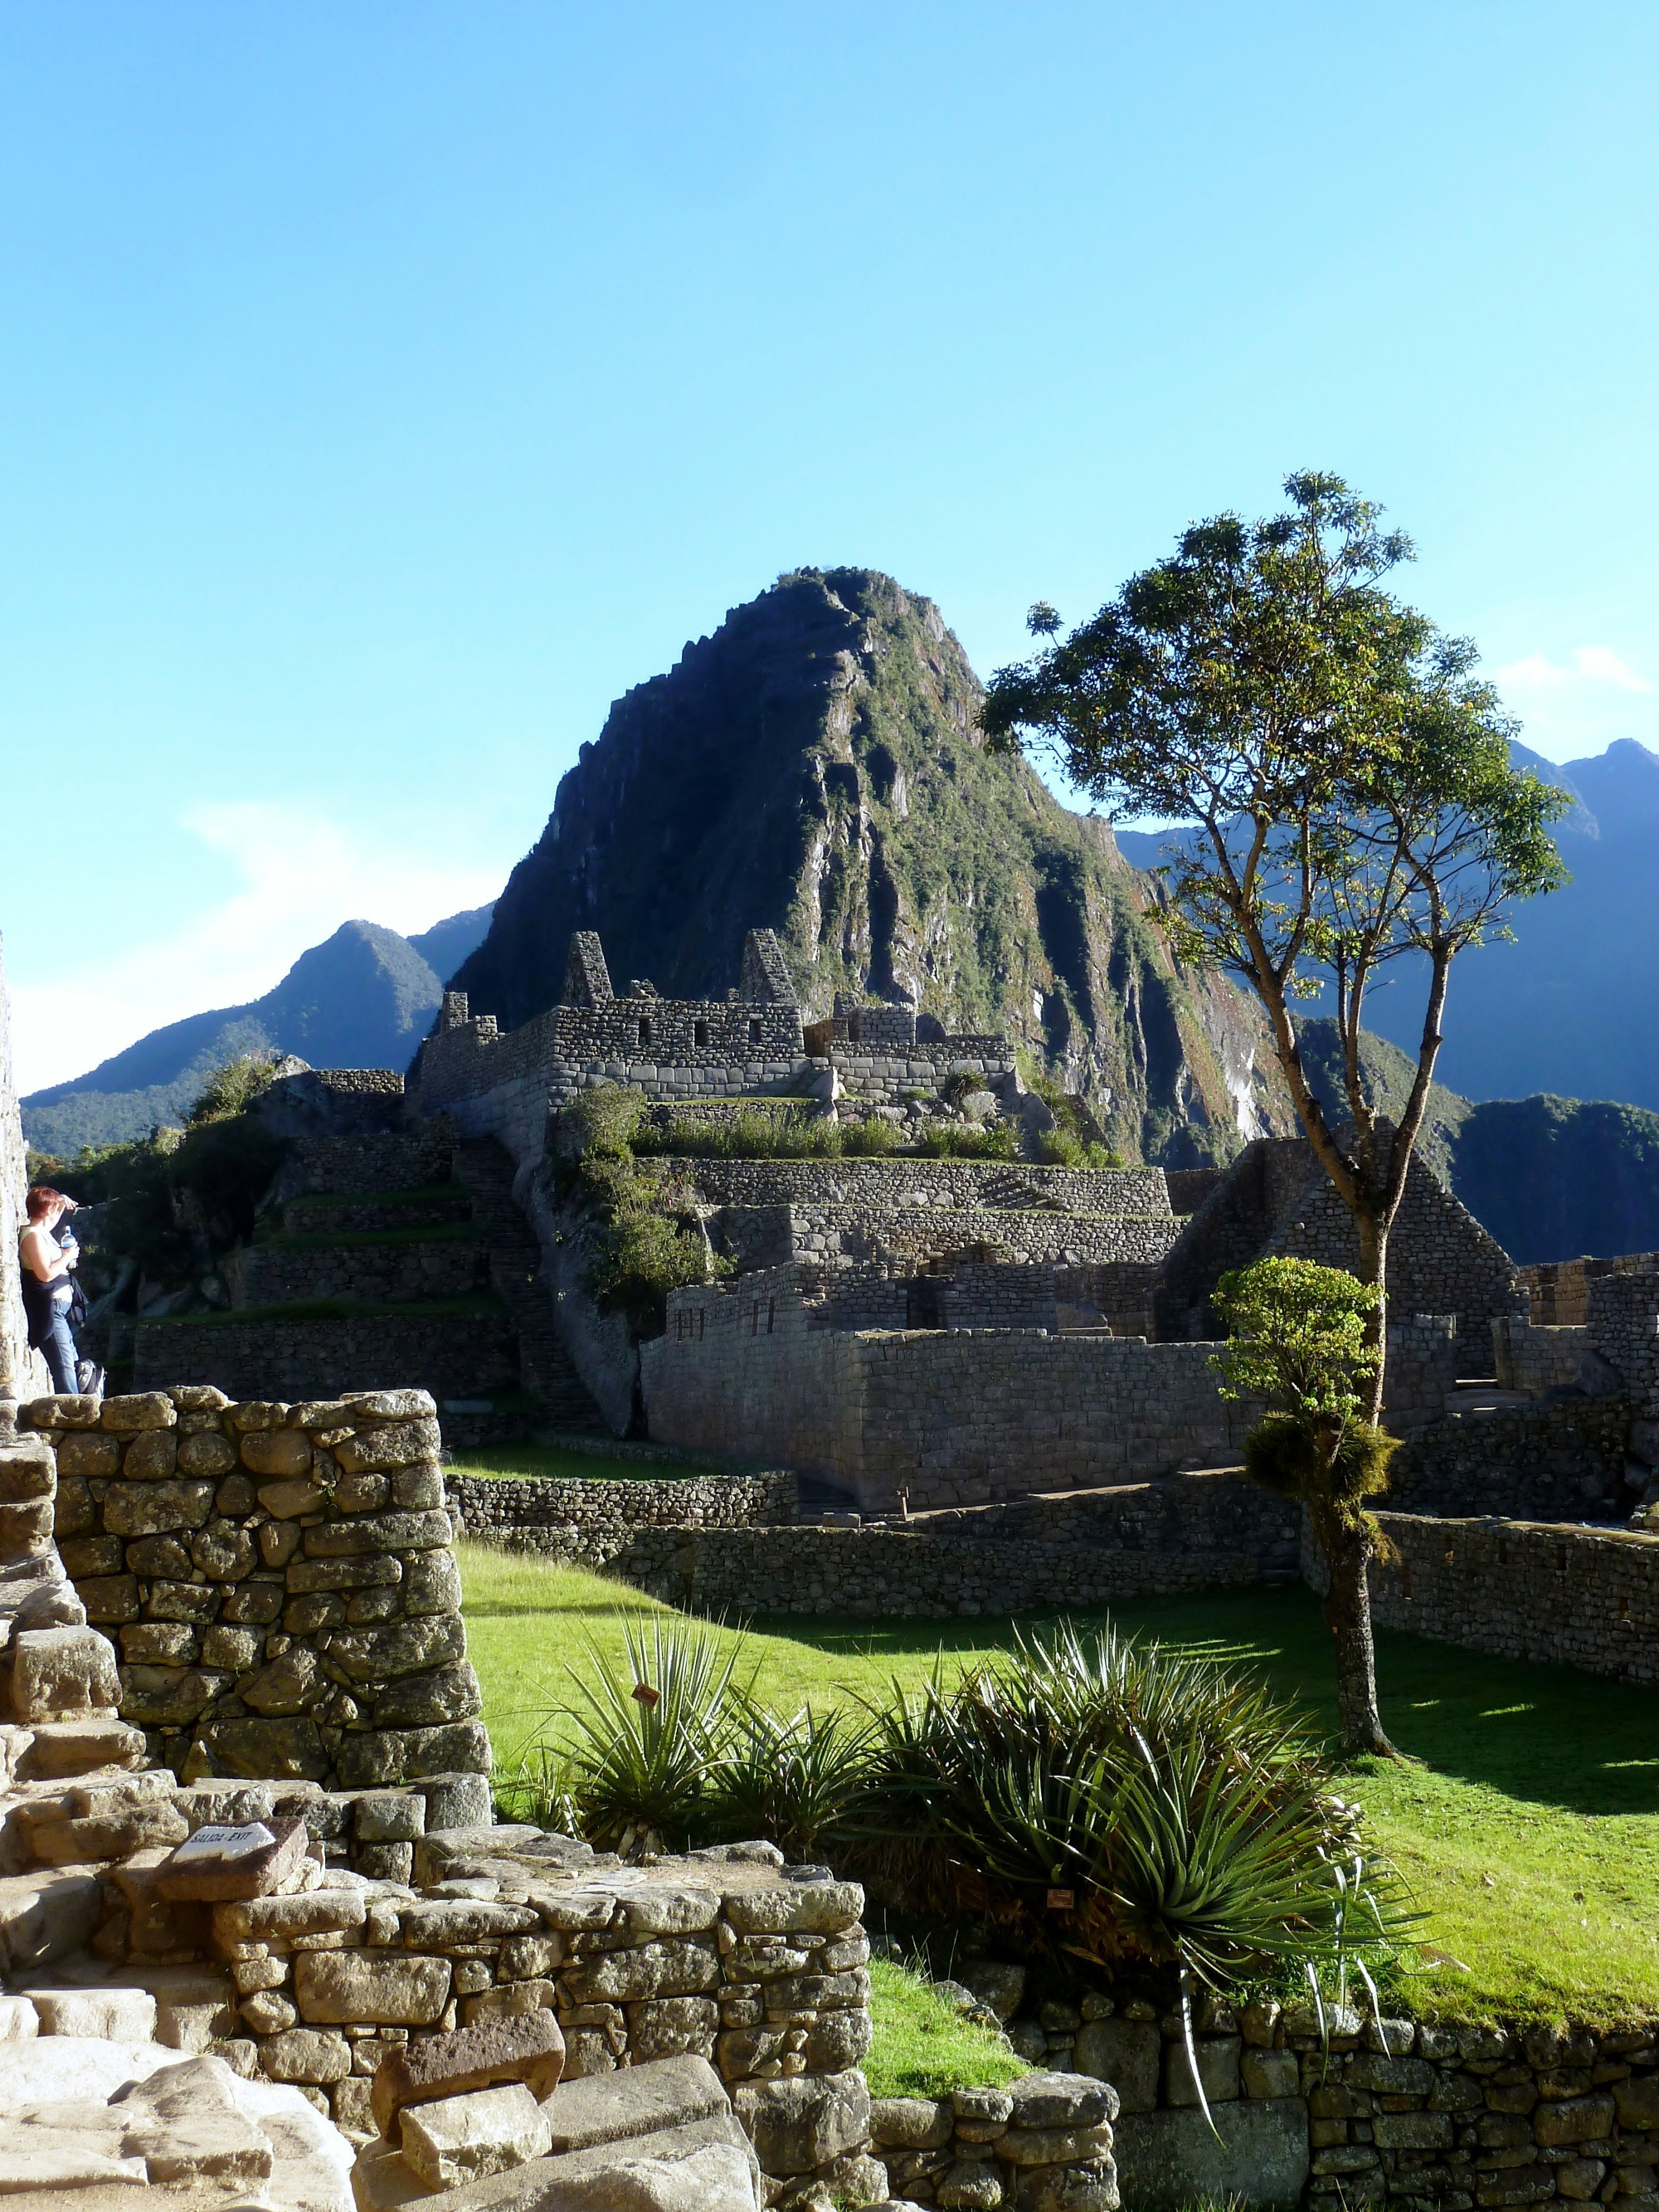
(955, 1417)
(1045, 2140)
(278, 1581)
(1399, 2111)
(1623, 1326)
(1537, 1359)
(952, 1185)
(369, 1268)
(545, 1513)
(1563, 1461)
(406, 1159)
(1563, 1596)
(464, 1352)
(1557, 1291)
(770, 1236)
(1192, 1533)
(22, 1373)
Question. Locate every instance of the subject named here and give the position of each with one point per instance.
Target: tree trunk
(1374, 1268)
(1347, 1551)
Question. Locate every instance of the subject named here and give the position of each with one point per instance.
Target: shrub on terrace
(1084, 1797)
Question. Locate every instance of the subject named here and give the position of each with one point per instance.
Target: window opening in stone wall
(645, 1033)
(700, 1034)
(754, 1028)
(754, 1319)
(771, 1314)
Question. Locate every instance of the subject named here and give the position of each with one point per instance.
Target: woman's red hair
(41, 1200)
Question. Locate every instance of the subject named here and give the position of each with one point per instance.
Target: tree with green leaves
(1346, 778)
(1299, 1338)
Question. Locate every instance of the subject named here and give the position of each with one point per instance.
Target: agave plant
(1119, 1803)
(794, 1782)
(644, 1741)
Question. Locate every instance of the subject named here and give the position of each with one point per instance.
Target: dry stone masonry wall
(279, 1579)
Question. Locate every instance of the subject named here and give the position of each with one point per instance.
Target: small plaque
(1063, 1900)
(220, 1864)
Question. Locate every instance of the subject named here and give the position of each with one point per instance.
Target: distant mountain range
(1571, 1007)
(364, 998)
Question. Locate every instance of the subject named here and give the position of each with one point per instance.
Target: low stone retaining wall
(278, 1581)
(771, 1235)
(550, 1508)
(1044, 2142)
(886, 1573)
(884, 1185)
(1563, 1595)
(1456, 2117)
(459, 1354)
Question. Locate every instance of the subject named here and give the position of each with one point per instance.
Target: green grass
(922, 2047)
(1527, 1821)
(506, 1461)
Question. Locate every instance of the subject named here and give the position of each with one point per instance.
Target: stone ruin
(270, 1945)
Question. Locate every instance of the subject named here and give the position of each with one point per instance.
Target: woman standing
(48, 1290)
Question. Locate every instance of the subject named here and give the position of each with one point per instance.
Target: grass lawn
(1527, 1822)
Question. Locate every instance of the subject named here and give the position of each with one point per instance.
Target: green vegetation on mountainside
(815, 768)
(1550, 1178)
(1525, 1817)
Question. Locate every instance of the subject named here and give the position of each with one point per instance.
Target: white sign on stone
(223, 1845)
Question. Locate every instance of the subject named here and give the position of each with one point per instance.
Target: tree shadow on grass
(1547, 1735)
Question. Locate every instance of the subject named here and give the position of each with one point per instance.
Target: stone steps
(485, 1172)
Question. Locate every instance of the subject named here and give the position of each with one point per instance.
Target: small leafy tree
(1298, 1337)
(1348, 786)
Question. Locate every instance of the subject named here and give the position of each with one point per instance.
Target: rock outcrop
(815, 768)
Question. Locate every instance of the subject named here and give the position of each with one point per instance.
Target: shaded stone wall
(1537, 1359)
(278, 1581)
(1562, 1595)
(950, 1184)
(771, 1235)
(462, 1353)
(1543, 1462)
(440, 1263)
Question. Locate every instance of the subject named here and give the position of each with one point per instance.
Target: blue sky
(386, 387)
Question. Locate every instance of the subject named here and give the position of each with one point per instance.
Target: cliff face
(814, 768)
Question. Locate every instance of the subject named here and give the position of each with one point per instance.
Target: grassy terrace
(1527, 1822)
(516, 1462)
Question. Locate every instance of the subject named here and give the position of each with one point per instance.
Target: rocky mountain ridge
(364, 998)
(814, 767)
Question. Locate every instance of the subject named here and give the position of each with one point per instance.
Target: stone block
(208, 1454)
(1061, 2100)
(234, 1649)
(1268, 2073)
(280, 1749)
(306, 1575)
(911, 2122)
(605, 2108)
(169, 1697)
(116, 2015)
(432, 1584)
(113, 1835)
(377, 1755)
(159, 1556)
(528, 2049)
(969, 2185)
(1638, 2102)
(811, 1908)
(280, 1919)
(286, 1501)
(197, 1602)
(281, 1452)
(87, 1452)
(676, 1966)
(402, 1443)
(223, 1552)
(667, 2027)
(142, 1409)
(156, 1508)
(151, 1457)
(26, 1530)
(1000, 1986)
(449, 1693)
(109, 1599)
(59, 1672)
(797, 2125)
(43, 1915)
(351, 1986)
(459, 2139)
(392, 1816)
(218, 1865)
(378, 1532)
(836, 2040)
(28, 1473)
(159, 1643)
(1217, 2071)
(305, 2054)
(1091, 2188)
(291, 1684)
(1412, 2131)
(72, 1511)
(1258, 2151)
(1573, 2120)
(256, 1602)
